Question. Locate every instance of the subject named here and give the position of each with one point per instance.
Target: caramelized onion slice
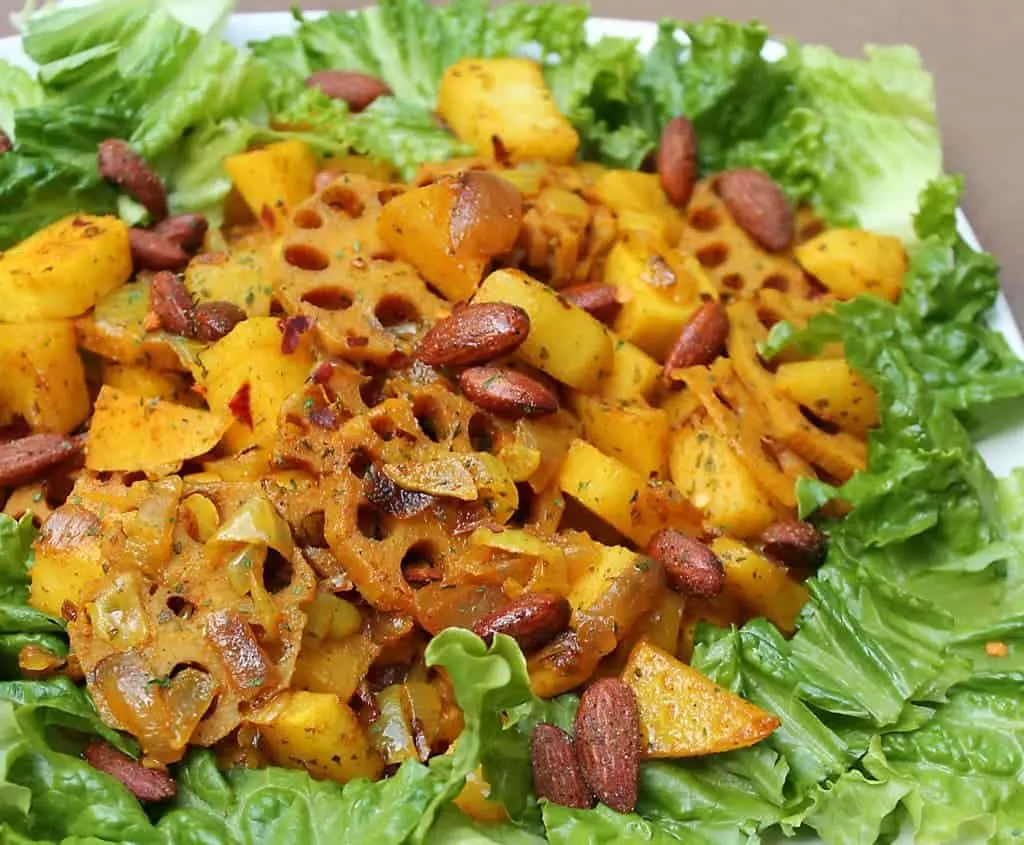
(487, 215)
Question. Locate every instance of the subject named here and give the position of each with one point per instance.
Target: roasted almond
(599, 300)
(556, 771)
(119, 164)
(532, 620)
(356, 89)
(171, 303)
(185, 230)
(215, 320)
(6, 145)
(701, 340)
(144, 783)
(507, 393)
(474, 334)
(607, 729)
(26, 458)
(794, 543)
(151, 251)
(758, 206)
(691, 567)
(677, 161)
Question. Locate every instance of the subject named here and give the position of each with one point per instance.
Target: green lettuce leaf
(18, 90)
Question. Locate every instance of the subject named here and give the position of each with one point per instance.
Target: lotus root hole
(306, 257)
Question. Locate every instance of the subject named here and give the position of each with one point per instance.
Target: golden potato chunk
(851, 261)
(504, 109)
(64, 269)
(684, 713)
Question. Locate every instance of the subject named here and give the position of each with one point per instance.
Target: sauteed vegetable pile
(430, 426)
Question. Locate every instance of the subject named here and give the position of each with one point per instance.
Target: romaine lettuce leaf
(18, 90)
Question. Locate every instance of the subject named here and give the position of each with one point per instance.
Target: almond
(759, 207)
(151, 251)
(701, 340)
(677, 161)
(144, 783)
(26, 458)
(171, 303)
(356, 89)
(185, 230)
(690, 567)
(215, 320)
(794, 543)
(474, 334)
(532, 620)
(507, 393)
(556, 772)
(6, 144)
(607, 731)
(599, 300)
(119, 164)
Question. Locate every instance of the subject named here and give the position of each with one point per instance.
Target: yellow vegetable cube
(660, 288)
(639, 203)
(334, 666)
(417, 225)
(851, 261)
(505, 102)
(684, 713)
(634, 373)
(637, 507)
(832, 390)
(130, 432)
(633, 432)
(764, 586)
(240, 276)
(60, 573)
(251, 354)
(273, 180)
(319, 733)
(64, 269)
(43, 378)
(564, 341)
(711, 475)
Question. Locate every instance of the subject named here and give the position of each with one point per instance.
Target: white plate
(1003, 450)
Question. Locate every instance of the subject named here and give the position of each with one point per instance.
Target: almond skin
(532, 620)
(185, 230)
(151, 251)
(690, 567)
(118, 163)
(172, 304)
(474, 334)
(507, 393)
(607, 731)
(677, 161)
(26, 458)
(759, 207)
(144, 783)
(701, 340)
(599, 300)
(556, 772)
(794, 543)
(215, 320)
(356, 89)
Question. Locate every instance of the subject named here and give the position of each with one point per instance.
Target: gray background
(974, 49)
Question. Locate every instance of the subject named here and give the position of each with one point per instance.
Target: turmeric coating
(269, 527)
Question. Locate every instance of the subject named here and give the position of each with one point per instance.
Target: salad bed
(900, 694)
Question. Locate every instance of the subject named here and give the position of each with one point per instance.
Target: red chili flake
(324, 418)
(241, 405)
(211, 258)
(357, 341)
(267, 217)
(292, 328)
